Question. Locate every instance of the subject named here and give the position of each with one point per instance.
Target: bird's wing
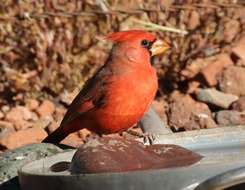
(91, 96)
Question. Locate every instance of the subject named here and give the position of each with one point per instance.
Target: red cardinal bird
(118, 95)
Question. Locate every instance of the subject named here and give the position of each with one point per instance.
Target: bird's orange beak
(159, 47)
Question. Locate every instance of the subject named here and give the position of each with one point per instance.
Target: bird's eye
(145, 44)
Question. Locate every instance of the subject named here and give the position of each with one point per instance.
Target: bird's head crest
(130, 35)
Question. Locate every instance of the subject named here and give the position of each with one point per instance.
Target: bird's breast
(128, 97)
(132, 93)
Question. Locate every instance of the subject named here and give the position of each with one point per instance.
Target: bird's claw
(149, 138)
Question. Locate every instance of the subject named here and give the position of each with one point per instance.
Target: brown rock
(193, 86)
(6, 128)
(84, 133)
(240, 12)
(232, 80)
(1, 115)
(211, 71)
(43, 122)
(23, 137)
(34, 116)
(166, 3)
(239, 105)
(68, 97)
(186, 113)
(232, 27)
(73, 140)
(19, 111)
(194, 20)
(119, 155)
(59, 113)
(194, 67)
(175, 95)
(230, 117)
(6, 124)
(239, 48)
(52, 127)
(5, 109)
(47, 108)
(23, 125)
(32, 104)
(240, 63)
(19, 116)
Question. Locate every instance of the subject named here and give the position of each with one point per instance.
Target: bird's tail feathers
(55, 137)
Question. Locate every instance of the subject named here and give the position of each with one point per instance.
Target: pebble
(84, 133)
(230, 117)
(6, 128)
(47, 108)
(19, 116)
(192, 69)
(52, 127)
(32, 104)
(43, 122)
(194, 20)
(239, 105)
(232, 80)
(215, 97)
(22, 137)
(73, 140)
(232, 27)
(211, 71)
(1, 115)
(239, 48)
(188, 114)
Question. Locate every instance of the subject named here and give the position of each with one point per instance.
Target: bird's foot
(149, 138)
